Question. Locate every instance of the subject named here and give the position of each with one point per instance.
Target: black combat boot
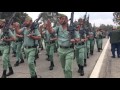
(87, 55)
(85, 63)
(36, 56)
(22, 61)
(34, 76)
(48, 58)
(91, 52)
(16, 64)
(10, 72)
(81, 70)
(4, 74)
(98, 49)
(51, 65)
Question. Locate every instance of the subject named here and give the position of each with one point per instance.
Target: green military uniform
(92, 42)
(13, 44)
(30, 49)
(79, 53)
(99, 40)
(50, 46)
(66, 51)
(19, 42)
(85, 50)
(88, 46)
(5, 49)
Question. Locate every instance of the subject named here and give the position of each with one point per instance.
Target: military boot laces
(4, 74)
(10, 72)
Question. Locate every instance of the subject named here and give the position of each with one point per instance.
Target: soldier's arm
(37, 36)
(77, 37)
(12, 37)
(17, 28)
(18, 35)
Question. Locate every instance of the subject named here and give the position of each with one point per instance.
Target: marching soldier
(50, 46)
(79, 50)
(66, 49)
(13, 43)
(99, 39)
(30, 43)
(19, 42)
(92, 41)
(5, 49)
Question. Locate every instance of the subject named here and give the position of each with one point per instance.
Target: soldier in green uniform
(50, 46)
(66, 49)
(92, 41)
(13, 43)
(30, 44)
(5, 49)
(88, 44)
(79, 50)
(42, 31)
(99, 39)
(19, 42)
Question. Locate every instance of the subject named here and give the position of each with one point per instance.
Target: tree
(19, 17)
(116, 18)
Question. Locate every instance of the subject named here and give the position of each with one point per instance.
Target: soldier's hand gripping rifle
(35, 25)
(7, 26)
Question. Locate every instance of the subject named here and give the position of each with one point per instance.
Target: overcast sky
(95, 17)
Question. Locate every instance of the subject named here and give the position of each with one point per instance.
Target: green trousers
(14, 46)
(23, 52)
(5, 56)
(30, 55)
(18, 51)
(99, 43)
(92, 42)
(66, 57)
(85, 50)
(50, 50)
(79, 54)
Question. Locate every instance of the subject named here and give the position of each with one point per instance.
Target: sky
(95, 17)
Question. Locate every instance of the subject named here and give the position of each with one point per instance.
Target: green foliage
(19, 17)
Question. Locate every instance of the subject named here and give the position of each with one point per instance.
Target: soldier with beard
(66, 49)
(30, 43)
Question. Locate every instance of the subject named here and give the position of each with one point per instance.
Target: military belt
(66, 46)
(4, 44)
(80, 43)
(51, 42)
(30, 47)
(18, 41)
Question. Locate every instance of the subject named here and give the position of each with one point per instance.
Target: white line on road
(96, 71)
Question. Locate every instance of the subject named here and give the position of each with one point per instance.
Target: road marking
(96, 71)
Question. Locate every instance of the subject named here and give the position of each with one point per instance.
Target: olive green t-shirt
(63, 36)
(10, 34)
(29, 41)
